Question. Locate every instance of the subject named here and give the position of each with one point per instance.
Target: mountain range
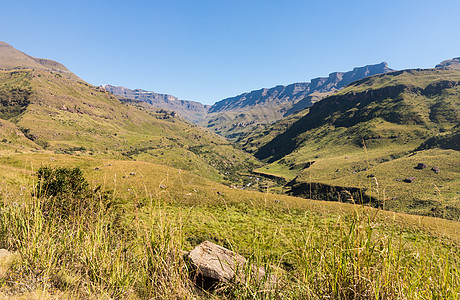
(235, 117)
(102, 195)
(190, 110)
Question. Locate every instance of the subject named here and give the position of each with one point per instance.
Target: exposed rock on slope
(191, 110)
(453, 63)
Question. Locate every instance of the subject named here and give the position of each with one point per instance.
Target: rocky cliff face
(295, 92)
(453, 63)
(190, 110)
(260, 108)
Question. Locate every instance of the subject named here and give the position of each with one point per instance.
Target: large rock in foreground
(215, 264)
(6, 259)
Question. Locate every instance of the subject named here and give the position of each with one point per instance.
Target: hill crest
(13, 59)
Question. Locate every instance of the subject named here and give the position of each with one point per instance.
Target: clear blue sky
(207, 50)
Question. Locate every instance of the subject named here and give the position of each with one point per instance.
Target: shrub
(65, 191)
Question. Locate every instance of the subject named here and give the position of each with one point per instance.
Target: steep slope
(391, 114)
(11, 59)
(264, 133)
(67, 116)
(190, 110)
(43, 110)
(235, 117)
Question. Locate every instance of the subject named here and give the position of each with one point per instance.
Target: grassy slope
(64, 115)
(262, 134)
(11, 59)
(180, 209)
(404, 109)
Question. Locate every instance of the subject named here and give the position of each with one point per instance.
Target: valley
(345, 187)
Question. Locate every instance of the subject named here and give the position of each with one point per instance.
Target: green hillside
(67, 116)
(363, 138)
(12, 59)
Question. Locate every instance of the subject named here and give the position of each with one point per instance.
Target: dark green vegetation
(365, 136)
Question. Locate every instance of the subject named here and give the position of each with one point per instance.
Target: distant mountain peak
(190, 110)
(335, 81)
(11, 58)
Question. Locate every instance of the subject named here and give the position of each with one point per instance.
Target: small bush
(65, 191)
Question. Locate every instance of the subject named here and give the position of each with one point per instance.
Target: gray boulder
(214, 264)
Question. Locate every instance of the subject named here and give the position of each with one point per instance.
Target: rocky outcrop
(453, 63)
(190, 110)
(6, 259)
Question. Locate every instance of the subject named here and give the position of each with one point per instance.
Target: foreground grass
(132, 248)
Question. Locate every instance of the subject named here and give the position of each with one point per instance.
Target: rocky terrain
(453, 63)
(236, 117)
(190, 110)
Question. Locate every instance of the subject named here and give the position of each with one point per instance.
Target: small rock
(162, 186)
(420, 166)
(436, 170)
(370, 175)
(347, 157)
(132, 173)
(97, 169)
(409, 179)
(219, 193)
(277, 201)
